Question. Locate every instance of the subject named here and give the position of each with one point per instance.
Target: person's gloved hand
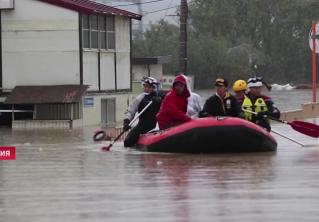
(262, 115)
(126, 124)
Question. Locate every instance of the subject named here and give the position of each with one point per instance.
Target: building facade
(69, 42)
(147, 66)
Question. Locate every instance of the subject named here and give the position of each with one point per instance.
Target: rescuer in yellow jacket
(257, 102)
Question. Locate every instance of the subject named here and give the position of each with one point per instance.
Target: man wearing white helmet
(147, 121)
(257, 102)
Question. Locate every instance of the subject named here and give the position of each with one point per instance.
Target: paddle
(289, 138)
(107, 148)
(306, 128)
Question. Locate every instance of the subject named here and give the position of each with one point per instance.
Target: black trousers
(264, 123)
(134, 134)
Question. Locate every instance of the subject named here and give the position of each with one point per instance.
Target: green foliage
(227, 37)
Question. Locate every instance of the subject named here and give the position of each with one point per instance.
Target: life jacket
(259, 106)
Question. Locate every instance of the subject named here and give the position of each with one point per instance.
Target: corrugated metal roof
(88, 7)
(46, 94)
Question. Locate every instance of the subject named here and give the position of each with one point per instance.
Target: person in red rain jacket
(174, 106)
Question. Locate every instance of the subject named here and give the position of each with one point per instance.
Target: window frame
(99, 30)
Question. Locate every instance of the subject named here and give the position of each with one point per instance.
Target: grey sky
(150, 7)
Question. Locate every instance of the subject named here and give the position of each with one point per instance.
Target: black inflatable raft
(209, 135)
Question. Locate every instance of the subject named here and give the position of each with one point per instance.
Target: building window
(86, 31)
(94, 32)
(110, 24)
(98, 32)
(102, 25)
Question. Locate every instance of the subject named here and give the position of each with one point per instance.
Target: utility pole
(183, 37)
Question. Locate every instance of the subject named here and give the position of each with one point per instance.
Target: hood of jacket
(181, 79)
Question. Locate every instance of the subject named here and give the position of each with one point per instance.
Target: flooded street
(63, 176)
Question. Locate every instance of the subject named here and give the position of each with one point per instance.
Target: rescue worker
(147, 120)
(240, 88)
(257, 102)
(222, 103)
(174, 106)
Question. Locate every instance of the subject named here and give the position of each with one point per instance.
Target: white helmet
(150, 81)
(255, 82)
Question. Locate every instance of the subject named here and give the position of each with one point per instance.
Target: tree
(228, 37)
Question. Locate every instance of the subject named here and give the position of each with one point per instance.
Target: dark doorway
(6, 117)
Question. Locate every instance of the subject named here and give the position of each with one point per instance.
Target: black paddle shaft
(116, 139)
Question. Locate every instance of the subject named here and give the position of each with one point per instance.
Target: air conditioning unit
(6, 4)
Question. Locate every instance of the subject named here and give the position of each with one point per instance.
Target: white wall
(40, 45)
(157, 71)
(92, 115)
(122, 40)
(90, 70)
(107, 71)
(139, 71)
(123, 71)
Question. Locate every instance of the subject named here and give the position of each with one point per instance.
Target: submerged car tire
(99, 136)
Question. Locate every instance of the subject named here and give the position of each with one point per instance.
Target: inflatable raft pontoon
(209, 135)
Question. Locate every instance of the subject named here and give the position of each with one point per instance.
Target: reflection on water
(63, 176)
(204, 184)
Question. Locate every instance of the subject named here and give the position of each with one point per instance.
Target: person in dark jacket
(222, 103)
(174, 106)
(255, 101)
(147, 120)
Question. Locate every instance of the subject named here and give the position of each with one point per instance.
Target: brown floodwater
(61, 175)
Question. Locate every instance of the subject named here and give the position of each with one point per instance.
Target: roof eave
(79, 8)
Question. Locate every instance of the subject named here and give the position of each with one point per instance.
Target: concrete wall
(108, 71)
(90, 70)
(46, 124)
(123, 59)
(40, 45)
(92, 115)
(309, 110)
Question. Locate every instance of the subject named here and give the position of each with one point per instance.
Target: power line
(176, 6)
(147, 13)
(139, 3)
(169, 5)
